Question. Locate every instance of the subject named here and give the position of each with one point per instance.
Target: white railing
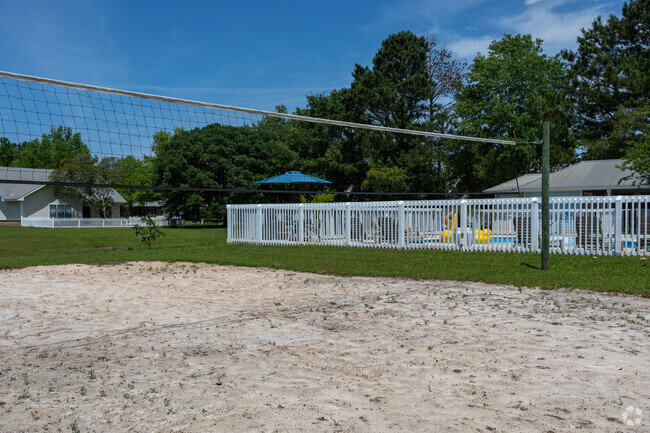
(88, 222)
(578, 225)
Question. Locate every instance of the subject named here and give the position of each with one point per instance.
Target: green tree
(48, 152)
(327, 151)
(394, 94)
(631, 133)
(7, 152)
(385, 179)
(447, 74)
(135, 171)
(610, 70)
(637, 159)
(317, 198)
(629, 128)
(278, 134)
(406, 87)
(215, 156)
(86, 171)
(507, 95)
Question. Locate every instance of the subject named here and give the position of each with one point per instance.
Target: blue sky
(257, 54)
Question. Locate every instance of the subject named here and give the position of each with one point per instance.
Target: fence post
(301, 224)
(546, 219)
(401, 224)
(618, 225)
(228, 223)
(534, 225)
(348, 225)
(259, 224)
(463, 224)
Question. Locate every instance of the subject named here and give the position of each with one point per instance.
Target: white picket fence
(87, 222)
(578, 225)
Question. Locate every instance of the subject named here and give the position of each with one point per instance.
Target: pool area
(578, 225)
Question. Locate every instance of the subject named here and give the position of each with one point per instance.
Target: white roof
(18, 190)
(586, 175)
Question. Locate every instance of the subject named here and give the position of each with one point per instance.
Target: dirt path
(194, 348)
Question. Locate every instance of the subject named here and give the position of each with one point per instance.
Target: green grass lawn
(24, 246)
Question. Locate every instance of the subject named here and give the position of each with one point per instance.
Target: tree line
(596, 98)
(63, 150)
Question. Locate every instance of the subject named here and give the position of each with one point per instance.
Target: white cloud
(549, 20)
(557, 28)
(468, 47)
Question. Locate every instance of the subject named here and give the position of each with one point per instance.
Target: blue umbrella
(293, 177)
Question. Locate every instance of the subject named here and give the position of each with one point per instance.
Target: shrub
(148, 232)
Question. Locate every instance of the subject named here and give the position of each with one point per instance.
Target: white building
(20, 200)
(587, 178)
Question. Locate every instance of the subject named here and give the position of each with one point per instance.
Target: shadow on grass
(537, 268)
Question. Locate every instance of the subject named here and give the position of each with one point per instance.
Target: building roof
(17, 191)
(585, 175)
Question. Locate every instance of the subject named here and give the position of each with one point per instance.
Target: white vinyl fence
(579, 225)
(88, 222)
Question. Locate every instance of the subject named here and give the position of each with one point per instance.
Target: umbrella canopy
(293, 177)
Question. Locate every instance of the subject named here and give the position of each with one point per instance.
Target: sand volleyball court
(193, 348)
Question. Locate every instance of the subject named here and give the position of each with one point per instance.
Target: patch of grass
(27, 246)
(24, 395)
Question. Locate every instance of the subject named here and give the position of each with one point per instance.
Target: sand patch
(194, 347)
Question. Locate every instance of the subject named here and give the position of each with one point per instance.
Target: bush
(149, 232)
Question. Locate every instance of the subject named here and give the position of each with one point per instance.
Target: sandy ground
(195, 348)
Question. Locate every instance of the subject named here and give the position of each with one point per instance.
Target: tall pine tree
(610, 71)
(393, 93)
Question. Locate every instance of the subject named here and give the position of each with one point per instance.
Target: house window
(60, 211)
